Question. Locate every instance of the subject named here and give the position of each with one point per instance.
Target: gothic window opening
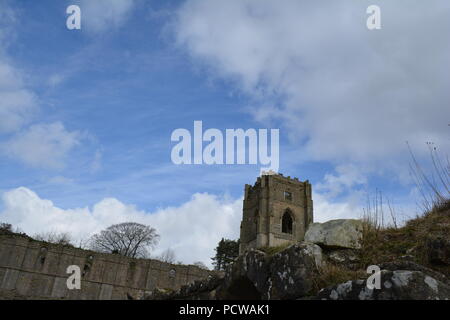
(288, 196)
(286, 222)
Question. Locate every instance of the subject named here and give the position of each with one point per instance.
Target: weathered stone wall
(32, 269)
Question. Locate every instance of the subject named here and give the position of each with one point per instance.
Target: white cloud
(347, 176)
(104, 15)
(42, 145)
(192, 230)
(325, 210)
(96, 164)
(60, 180)
(350, 93)
(7, 19)
(17, 104)
(56, 79)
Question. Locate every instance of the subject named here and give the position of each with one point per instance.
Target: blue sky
(127, 91)
(88, 114)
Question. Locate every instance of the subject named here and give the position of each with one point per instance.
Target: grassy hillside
(424, 240)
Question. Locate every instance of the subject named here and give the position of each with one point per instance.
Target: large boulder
(288, 274)
(412, 266)
(395, 285)
(293, 270)
(247, 277)
(340, 233)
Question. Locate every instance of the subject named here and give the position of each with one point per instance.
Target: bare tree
(6, 227)
(83, 243)
(129, 239)
(62, 238)
(9, 228)
(201, 265)
(168, 256)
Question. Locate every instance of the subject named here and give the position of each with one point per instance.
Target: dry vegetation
(421, 237)
(332, 274)
(411, 241)
(424, 240)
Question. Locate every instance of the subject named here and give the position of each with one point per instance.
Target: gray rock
(409, 265)
(344, 257)
(340, 233)
(395, 285)
(246, 278)
(288, 274)
(293, 270)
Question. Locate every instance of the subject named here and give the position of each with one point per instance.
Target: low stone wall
(31, 269)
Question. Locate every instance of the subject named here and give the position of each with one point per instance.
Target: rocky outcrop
(409, 265)
(247, 277)
(197, 290)
(394, 285)
(256, 275)
(348, 258)
(333, 251)
(293, 270)
(340, 233)
(287, 274)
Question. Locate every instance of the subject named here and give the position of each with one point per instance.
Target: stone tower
(277, 210)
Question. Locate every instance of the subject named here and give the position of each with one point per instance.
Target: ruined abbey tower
(277, 210)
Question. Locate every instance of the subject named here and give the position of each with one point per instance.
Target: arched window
(286, 222)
